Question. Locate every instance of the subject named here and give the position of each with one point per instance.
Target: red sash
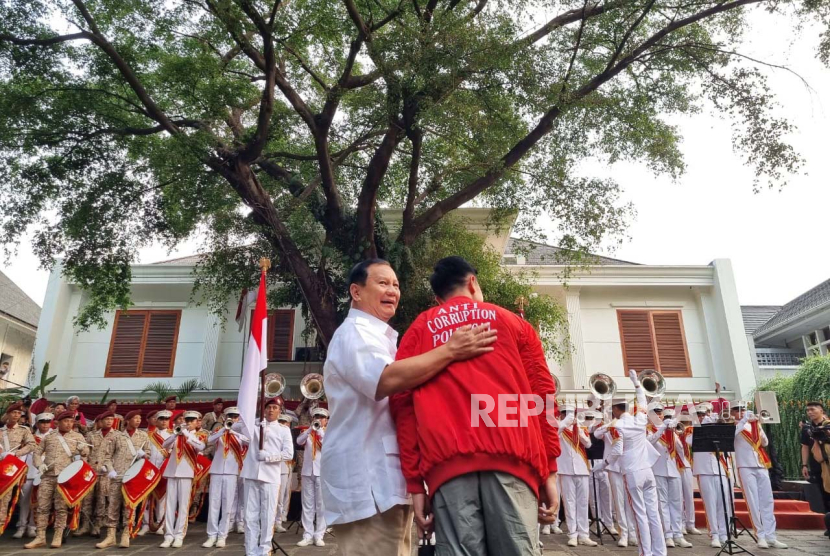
(155, 438)
(316, 444)
(183, 448)
(571, 435)
(753, 436)
(231, 444)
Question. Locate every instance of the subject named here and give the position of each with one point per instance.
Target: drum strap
(6, 447)
(130, 444)
(64, 445)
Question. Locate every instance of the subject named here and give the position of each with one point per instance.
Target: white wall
(16, 341)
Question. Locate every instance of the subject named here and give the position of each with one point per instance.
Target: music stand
(596, 453)
(720, 439)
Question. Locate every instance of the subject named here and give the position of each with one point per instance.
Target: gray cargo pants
(488, 513)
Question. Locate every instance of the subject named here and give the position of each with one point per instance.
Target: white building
(682, 320)
(19, 317)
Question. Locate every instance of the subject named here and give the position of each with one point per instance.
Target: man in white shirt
(599, 488)
(312, 441)
(261, 474)
(622, 509)
(686, 477)
(667, 475)
(753, 464)
(157, 433)
(183, 447)
(637, 457)
(573, 475)
(364, 491)
(227, 462)
(284, 495)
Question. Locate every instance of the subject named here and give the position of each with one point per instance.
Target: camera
(819, 433)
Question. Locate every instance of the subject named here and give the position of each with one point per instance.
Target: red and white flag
(256, 358)
(245, 300)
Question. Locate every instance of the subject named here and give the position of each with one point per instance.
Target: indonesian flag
(256, 358)
(245, 299)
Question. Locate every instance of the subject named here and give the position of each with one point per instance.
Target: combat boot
(83, 529)
(125, 538)
(57, 539)
(109, 539)
(38, 541)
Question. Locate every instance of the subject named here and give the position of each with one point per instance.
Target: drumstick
(136, 454)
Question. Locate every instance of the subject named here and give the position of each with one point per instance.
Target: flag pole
(264, 264)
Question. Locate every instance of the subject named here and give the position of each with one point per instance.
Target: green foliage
(160, 390)
(810, 383)
(104, 397)
(41, 389)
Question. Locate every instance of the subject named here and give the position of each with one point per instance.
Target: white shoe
(586, 542)
(19, 533)
(682, 543)
(305, 542)
(556, 530)
(31, 532)
(694, 531)
(572, 542)
(776, 544)
(546, 530)
(669, 543)
(684, 531)
(319, 542)
(240, 527)
(178, 543)
(623, 542)
(160, 530)
(612, 530)
(167, 542)
(715, 543)
(279, 528)
(143, 531)
(632, 541)
(762, 543)
(220, 543)
(210, 543)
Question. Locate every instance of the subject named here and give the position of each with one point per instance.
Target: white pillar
(579, 368)
(211, 350)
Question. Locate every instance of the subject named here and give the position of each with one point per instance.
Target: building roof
(541, 254)
(756, 315)
(812, 299)
(189, 260)
(16, 304)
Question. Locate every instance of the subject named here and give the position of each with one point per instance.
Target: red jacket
(436, 439)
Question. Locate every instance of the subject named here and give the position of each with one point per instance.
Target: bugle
(316, 425)
(178, 429)
(228, 424)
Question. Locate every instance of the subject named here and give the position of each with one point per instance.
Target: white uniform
(312, 488)
(755, 479)
(636, 458)
(224, 474)
(705, 467)
(687, 482)
(157, 459)
(179, 474)
(261, 474)
(573, 475)
(284, 495)
(669, 485)
(622, 509)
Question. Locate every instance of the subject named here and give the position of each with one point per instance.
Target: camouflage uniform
(19, 441)
(210, 420)
(51, 452)
(100, 457)
(122, 458)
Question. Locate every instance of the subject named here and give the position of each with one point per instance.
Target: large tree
(279, 127)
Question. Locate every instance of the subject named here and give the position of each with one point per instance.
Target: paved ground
(802, 543)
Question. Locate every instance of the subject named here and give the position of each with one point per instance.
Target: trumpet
(178, 429)
(680, 427)
(653, 383)
(316, 425)
(311, 387)
(228, 424)
(602, 386)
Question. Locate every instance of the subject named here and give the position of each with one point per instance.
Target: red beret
(271, 401)
(170, 399)
(109, 403)
(132, 414)
(39, 406)
(16, 406)
(104, 415)
(218, 400)
(68, 414)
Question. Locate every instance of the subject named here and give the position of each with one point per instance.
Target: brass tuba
(602, 386)
(653, 383)
(311, 387)
(274, 385)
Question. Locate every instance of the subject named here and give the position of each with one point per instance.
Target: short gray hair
(70, 399)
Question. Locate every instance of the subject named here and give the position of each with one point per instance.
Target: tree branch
(566, 18)
(44, 42)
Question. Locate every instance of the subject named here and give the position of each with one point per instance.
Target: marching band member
(753, 464)
(157, 433)
(212, 418)
(26, 521)
(637, 457)
(118, 420)
(229, 455)
(573, 474)
(687, 479)
(17, 441)
(667, 475)
(599, 478)
(100, 459)
(622, 509)
(183, 446)
(284, 495)
(312, 439)
(128, 446)
(705, 468)
(52, 455)
(261, 471)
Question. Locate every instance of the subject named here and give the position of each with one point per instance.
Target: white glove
(103, 469)
(599, 466)
(749, 415)
(42, 468)
(4, 454)
(140, 453)
(632, 374)
(670, 423)
(76, 457)
(112, 474)
(264, 456)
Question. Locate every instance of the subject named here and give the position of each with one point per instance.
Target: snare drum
(12, 469)
(139, 481)
(75, 482)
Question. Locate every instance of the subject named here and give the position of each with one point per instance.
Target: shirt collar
(374, 322)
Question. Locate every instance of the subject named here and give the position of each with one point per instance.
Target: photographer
(815, 450)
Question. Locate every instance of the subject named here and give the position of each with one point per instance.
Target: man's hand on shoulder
(468, 342)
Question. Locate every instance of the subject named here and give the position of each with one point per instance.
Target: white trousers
(178, 500)
(283, 496)
(713, 503)
(27, 517)
(575, 498)
(687, 482)
(622, 508)
(603, 492)
(313, 506)
(260, 509)
(758, 494)
(222, 502)
(670, 491)
(238, 511)
(642, 492)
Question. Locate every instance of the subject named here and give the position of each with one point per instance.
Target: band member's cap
(231, 411)
(657, 407)
(283, 418)
(701, 408)
(110, 402)
(321, 411)
(218, 400)
(163, 414)
(590, 414)
(291, 415)
(104, 415)
(48, 417)
(568, 407)
(131, 414)
(668, 412)
(192, 415)
(16, 406)
(738, 405)
(170, 399)
(68, 414)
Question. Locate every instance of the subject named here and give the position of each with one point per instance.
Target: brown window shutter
(281, 335)
(636, 337)
(126, 343)
(160, 344)
(671, 343)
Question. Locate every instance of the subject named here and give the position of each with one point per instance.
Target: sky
(777, 240)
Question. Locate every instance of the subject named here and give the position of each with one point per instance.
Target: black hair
(816, 404)
(449, 274)
(360, 272)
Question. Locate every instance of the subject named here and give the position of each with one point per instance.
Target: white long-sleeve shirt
(277, 444)
(665, 466)
(311, 465)
(745, 454)
(571, 460)
(179, 467)
(637, 451)
(222, 465)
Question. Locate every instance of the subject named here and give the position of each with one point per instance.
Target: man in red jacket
(486, 473)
